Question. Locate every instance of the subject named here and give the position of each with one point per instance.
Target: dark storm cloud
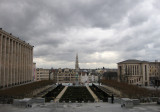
(101, 31)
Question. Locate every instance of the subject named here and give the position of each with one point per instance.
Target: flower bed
(100, 94)
(51, 95)
(77, 94)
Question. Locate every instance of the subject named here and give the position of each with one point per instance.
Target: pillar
(1, 39)
(7, 62)
(17, 63)
(11, 62)
(6, 65)
(4, 60)
(28, 64)
(27, 61)
(25, 64)
(20, 63)
(14, 61)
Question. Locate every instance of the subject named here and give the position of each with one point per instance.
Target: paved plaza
(80, 107)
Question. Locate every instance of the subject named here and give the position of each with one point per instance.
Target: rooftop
(133, 61)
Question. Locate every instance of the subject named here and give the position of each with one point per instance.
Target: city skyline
(103, 33)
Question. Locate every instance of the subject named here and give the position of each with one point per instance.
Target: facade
(16, 59)
(42, 74)
(154, 71)
(34, 75)
(134, 72)
(53, 74)
(88, 77)
(138, 72)
(67, 76)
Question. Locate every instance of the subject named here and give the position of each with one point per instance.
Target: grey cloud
(48, 26)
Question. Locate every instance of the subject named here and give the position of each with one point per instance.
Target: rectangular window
(145, 72)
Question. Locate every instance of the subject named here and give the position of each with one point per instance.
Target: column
(14, 60)
(133, 69)
(15, 63)
(8, 62)
(25, 64)
(27, 77)
(23, 78)
(28, 64)
(1, 39)
(29, 54)
(130, 67)
(137, 70)
(5, 67)
(31, 59)
(4, 60)
(11, 61)
(31, 63)
(20, 64)
(15, 77)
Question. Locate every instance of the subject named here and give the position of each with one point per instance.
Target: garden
(51, 95)
(99, 93)
(77, 94)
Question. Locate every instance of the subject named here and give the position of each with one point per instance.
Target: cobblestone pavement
(81, 107)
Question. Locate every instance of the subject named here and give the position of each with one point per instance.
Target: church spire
(77, 63)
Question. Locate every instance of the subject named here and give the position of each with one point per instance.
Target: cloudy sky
(102, 32)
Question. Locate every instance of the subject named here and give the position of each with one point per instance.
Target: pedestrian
(112, 98)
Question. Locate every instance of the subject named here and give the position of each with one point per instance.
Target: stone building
(67, 76)
(42, 74)
(88, 77)
(134, 72)
(34, 75)
(154, 71)
(138, 72)
(16, 59)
